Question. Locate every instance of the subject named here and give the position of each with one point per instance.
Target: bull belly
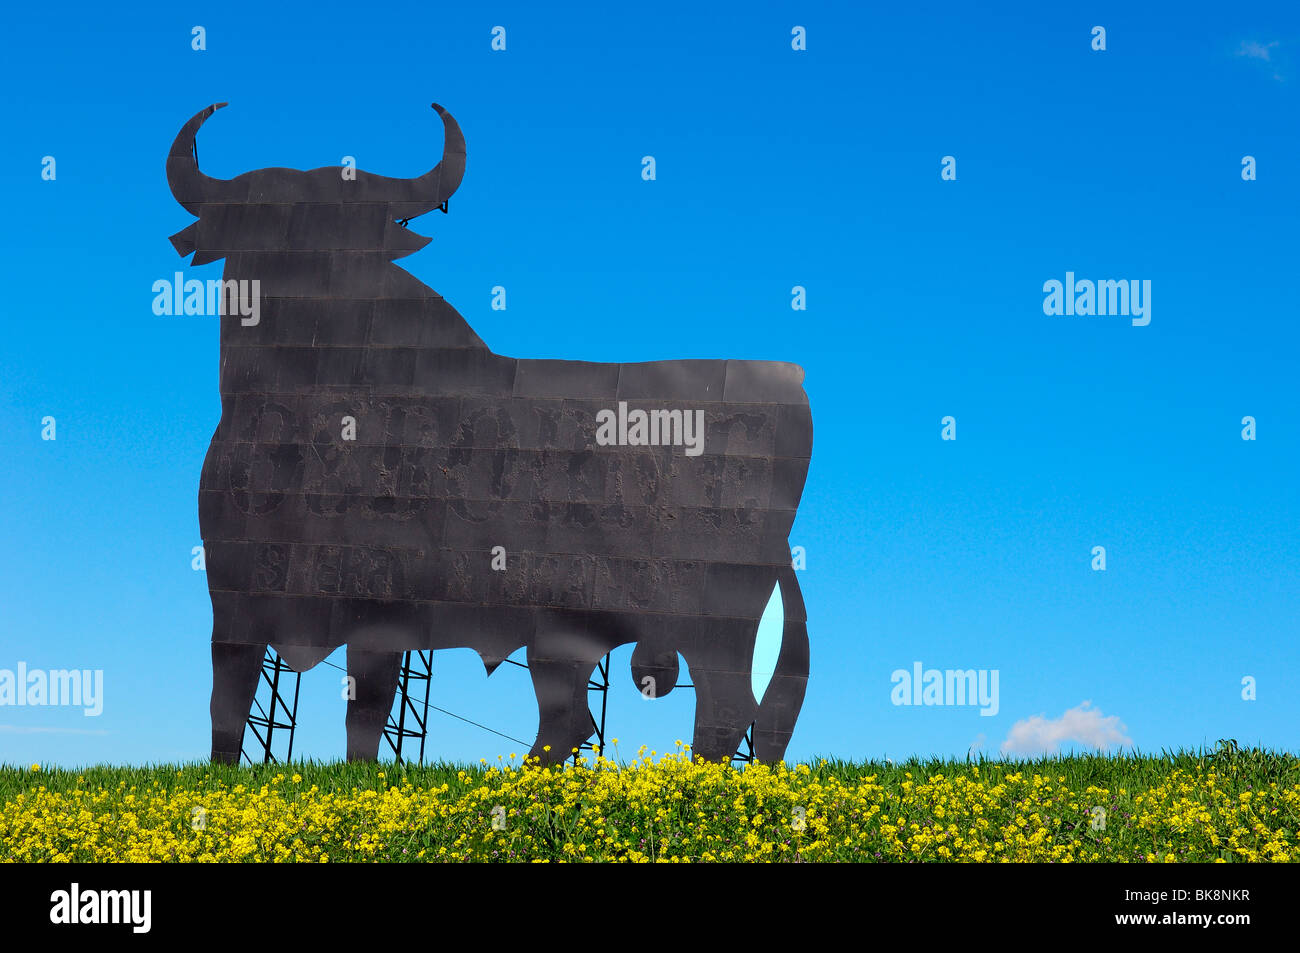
(305, 629)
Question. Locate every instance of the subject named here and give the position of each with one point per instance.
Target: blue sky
(775, 168)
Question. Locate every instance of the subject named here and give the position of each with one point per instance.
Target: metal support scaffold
(412, 718)
(598, 683)
(278, 712)
(274, 717)
(746, 754)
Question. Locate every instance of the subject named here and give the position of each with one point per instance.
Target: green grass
(1222, 804)
(1246, 767)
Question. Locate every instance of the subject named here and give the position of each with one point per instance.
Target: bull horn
(447, 180)
(189, 186)
(408, 198)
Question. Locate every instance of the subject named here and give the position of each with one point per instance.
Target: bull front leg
(236, 667)
(374, 682)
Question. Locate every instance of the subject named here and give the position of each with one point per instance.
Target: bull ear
(185, 241)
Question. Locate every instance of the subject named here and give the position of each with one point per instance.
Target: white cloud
(1256, 51)
(1252, 50)
(1086, 725)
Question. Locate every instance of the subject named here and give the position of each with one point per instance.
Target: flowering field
(1228, 805)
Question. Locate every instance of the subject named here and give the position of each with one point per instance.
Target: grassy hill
(1230, 804)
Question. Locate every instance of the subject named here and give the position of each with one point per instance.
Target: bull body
(374, 458)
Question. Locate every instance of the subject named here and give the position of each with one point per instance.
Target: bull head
(278, 211)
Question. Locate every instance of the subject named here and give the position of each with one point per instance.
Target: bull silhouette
(380, 478)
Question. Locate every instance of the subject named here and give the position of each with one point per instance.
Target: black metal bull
(385, 537)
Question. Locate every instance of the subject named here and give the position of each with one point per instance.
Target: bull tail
(783, 698)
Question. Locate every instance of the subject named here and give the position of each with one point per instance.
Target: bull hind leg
(724, 695)
(561, 663)
(724, 710)
(374, 682)
(783, 698)
(236, 667)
